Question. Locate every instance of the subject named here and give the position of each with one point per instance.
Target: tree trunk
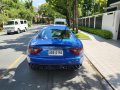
(73, 15)
(68, 13)
(76, 15)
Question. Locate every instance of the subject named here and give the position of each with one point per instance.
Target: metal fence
(92, 22)
(98, 22)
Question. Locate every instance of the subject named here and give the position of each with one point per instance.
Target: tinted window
(16, 22)
(25, 22)
(61, 23)
(54, 33)
(10, 23)
(21, 22)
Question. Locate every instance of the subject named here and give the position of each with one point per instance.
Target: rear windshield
(10, 23)
(61, 23)
(54, 33)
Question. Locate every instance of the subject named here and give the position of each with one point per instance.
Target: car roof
(60, 27)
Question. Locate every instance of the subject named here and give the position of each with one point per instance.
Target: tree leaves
(18, 9)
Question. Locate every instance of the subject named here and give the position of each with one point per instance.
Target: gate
(119, 32)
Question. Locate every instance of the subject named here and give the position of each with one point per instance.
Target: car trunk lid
(59, 46)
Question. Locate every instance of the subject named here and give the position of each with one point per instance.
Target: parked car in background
(15, 26)
(60, 21)
(55, 46)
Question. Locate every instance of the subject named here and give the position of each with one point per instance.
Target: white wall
(111, 22)
(108, 21)
(117, 24)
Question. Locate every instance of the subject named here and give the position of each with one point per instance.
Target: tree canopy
(47, 10)
(16, 9)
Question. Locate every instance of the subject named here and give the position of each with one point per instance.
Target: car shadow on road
(23, 78)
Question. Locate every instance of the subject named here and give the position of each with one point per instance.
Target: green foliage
(64, 7)
(15, 9)
(18, 9)
(29, 23)
(91, 7)
(47, 10)
(3, 18)
(80, 35)
(103, 33)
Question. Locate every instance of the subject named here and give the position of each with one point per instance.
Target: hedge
(102, 33)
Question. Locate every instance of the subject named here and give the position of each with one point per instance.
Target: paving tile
(105, 55)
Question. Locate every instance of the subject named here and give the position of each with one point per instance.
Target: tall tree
(65, 7)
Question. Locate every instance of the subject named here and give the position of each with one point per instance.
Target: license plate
(55, 52)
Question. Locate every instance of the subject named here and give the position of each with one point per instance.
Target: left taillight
(33, 50)
(76, 51)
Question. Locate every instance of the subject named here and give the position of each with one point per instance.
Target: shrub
(29, 23)
(102, 33)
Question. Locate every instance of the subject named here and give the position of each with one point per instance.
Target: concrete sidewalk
(105, 56)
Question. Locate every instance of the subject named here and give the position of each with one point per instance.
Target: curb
(11, 66)
(100, 73)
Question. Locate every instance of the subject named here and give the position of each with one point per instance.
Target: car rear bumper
(47, 61)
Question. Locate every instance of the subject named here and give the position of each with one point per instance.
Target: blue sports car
(55, 46)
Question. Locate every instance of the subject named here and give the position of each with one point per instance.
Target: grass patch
(81, 35)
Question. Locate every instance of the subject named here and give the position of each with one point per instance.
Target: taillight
(76, 51)
(33, 50)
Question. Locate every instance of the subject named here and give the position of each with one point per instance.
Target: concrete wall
(111, 22)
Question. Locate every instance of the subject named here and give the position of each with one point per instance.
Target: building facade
(112, 1)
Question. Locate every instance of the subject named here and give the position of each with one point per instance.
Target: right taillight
(33, 50)
(76, 51)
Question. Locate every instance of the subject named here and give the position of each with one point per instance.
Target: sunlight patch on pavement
(16, 61)
(10, 74)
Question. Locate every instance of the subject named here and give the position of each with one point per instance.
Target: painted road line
(16, 61)
(12, 65)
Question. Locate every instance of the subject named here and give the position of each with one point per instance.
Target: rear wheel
(8, 33)
(33, 66)
(18, 31)
(25, 29)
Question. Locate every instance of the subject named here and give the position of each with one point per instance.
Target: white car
(15, 26)
(60, 21)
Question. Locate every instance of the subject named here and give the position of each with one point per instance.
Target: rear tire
(33, 66)
(18, 31)
(25, 29)
(8, 33)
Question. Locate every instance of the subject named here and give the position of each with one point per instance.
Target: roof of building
(116, 3)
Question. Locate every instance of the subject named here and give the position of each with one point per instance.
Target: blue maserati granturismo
(55, 46)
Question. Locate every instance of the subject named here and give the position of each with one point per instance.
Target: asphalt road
(15, 73)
